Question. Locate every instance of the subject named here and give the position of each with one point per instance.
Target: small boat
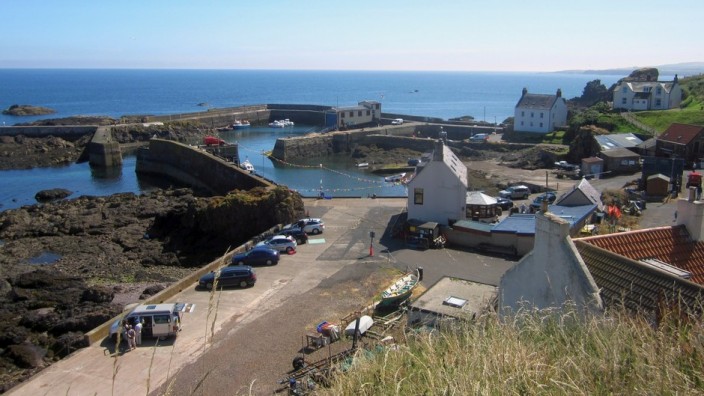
(281, 123)
(246, 165)
(362, 164)
(240, 124)
(365, 322)
(399, 291)
(395, 178)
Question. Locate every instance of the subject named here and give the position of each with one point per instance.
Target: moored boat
(395, 178)
(246, 165)
(399, 291)
(362, 164)
(240, 124)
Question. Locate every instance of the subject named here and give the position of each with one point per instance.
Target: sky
(445, 35)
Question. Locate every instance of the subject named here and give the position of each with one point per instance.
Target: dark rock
(67, 343)
(98, 294)
(40, 320)
(643, 74)
(11, 333)
(27, 355)
(151, 290)
(27, 110)
(52, 194)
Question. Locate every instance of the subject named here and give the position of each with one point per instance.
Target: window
(623, 101)
(342, 115)
(625, 89)
(161, 319)
(359, 113)
(658, 103)
(541, 115)
(531, 114)
(541, 124)
(521, 123)
(531, 123)
(418, 196)
(351, 113)
(658, 90)
(523, 114)
(368, 112)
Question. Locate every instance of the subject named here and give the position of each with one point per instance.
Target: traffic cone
(371, 250)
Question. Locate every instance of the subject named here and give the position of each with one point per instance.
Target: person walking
(130, 338)
(138, 332)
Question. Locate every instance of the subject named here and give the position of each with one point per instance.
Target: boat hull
(399, 291)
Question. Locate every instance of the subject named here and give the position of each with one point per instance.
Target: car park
(479, 137)
(282, 243)
(257, 256)
(515, 192)
(240, 275)
(298, 235)
(504, 203)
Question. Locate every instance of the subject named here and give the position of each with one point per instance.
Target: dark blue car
(257, 256)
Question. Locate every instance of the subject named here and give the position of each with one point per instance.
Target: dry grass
(536, 353)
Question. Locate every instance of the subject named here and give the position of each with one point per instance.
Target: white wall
(444, 196)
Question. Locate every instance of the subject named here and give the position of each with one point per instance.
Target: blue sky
(360, 35)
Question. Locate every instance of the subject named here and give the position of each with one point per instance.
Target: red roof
(681, 133)
(672, 245)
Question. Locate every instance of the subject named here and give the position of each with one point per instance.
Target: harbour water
(485, 96)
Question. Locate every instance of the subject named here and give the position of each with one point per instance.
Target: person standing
(138, 332)
(130, 338)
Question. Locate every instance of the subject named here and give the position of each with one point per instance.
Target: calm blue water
(485, 96)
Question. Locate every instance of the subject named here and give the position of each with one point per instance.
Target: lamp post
(371, 243)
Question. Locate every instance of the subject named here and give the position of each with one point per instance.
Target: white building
(365, 112)
(647, 95)
(540, 113)
(438, 191)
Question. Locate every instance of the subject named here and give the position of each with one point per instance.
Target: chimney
(525, 91)
(438, 151)
(690, 213)
(559, 93)
(675, 80)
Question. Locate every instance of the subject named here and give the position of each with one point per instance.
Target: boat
(246, 165)
(362, 164)
(395, 178)
(240, 124)
(365, 322)
(281, 123)
(399, 291)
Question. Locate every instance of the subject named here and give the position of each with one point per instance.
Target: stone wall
(66, 132)
(195, 167)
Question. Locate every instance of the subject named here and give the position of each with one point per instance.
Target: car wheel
(269, 262)
(243, 284)
(289, 250)
(209, 286)
(316, 231)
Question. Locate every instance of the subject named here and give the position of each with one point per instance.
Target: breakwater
(195, 167)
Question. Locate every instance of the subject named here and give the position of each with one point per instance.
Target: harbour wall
(67, 132)
(195, 167)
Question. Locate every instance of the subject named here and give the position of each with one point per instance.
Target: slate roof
(521, 224)
(587, 191)
(618, 140)
(671, 244)
(637, 286)
(681, 133)
(537, 101)
(638, 86)
(619, 153)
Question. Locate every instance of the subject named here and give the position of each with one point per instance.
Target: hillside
(691, 110)
(536, 354)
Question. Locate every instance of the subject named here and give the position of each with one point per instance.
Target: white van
(158, 320)
(397, 121)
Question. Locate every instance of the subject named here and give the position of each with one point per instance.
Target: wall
(195, 167)
(102, 150)
(67, 132)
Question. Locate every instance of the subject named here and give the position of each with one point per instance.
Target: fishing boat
(281, 123)
(240, 124)
(399, 291)
(395, 178)
(246, 165)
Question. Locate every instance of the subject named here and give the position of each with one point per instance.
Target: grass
(536, 353)
(691, 110)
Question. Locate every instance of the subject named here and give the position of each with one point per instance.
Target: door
(161, 326)
(147, 324)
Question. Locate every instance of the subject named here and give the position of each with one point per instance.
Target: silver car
(281, 243)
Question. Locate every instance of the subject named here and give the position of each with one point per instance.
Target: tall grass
(536, 353)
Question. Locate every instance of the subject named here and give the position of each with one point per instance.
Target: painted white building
(367, 111)
(540, 113)
(438, 191)
(647, 95)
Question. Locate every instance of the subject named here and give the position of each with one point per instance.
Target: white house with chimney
(540, 113)
(647, 95)
(438, 191)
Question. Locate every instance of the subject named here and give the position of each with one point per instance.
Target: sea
(486, 96)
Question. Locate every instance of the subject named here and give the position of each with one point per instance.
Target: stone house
(540, 113)
(620, 160)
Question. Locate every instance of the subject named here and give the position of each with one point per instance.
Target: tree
(593, 92)
(584, 144)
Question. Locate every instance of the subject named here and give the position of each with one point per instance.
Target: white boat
(395, 178)
(362, 164)
(365, 322)
(281, 123)
(246, 165)
(240, 124)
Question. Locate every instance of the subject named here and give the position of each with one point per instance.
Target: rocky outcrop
(27, 110)
(643, 74)
(52, 194)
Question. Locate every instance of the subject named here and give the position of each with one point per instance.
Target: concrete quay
(339, 256)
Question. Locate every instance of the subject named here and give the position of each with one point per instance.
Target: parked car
(257, 256)
(504, 203)
(309, 226)
(397, 121)
(515, 192)
(298, 235)
(479, 137)
(240, 275)
(282, 243)
(538, 201)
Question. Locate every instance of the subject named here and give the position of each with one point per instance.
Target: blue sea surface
(483, 95)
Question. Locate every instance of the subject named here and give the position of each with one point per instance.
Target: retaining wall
(195, 167)
(67, 132)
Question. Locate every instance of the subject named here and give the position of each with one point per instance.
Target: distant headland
(27, 110)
